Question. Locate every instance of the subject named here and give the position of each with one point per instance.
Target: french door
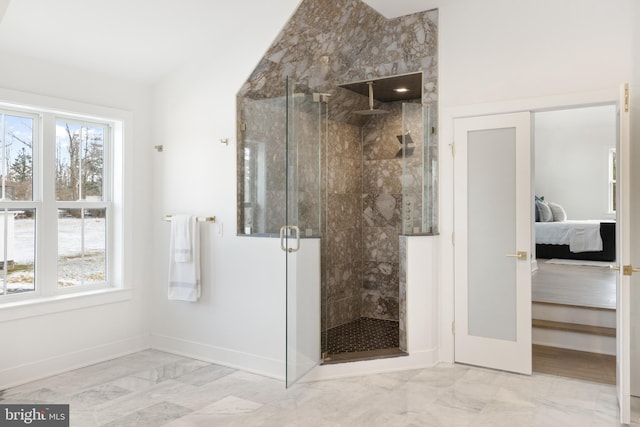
(493, 207)
(626, 228)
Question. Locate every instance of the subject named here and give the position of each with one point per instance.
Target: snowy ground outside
(72, 267)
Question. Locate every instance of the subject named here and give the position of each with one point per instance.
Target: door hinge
(453, 328)
(626, 98)
(453, 149)
(453, 238)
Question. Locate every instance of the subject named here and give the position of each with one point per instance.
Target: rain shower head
(371, 111)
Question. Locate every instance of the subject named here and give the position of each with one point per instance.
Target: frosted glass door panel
(492, 233)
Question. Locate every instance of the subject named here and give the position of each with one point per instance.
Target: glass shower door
(300, 236)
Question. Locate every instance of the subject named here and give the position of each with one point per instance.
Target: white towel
(181, 234)
(184, 259)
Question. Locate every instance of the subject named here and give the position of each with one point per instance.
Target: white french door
(492, 220)
(625, 227)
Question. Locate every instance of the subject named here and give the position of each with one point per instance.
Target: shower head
(371, 111)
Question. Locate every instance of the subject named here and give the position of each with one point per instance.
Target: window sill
(59, 303)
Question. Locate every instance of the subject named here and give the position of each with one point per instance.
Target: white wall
(498, 50)
(45, 344)
(572, 159)
(240, 320)
(511, 54)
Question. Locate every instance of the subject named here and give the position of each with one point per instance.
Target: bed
(580, 240)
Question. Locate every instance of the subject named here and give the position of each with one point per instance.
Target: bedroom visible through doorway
(573, 289)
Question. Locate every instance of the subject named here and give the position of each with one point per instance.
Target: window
(18, 145)
(612, 180)
(57, 199)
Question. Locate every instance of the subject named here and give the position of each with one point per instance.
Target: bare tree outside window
(17, 224)
(17, 155)
(79, 161)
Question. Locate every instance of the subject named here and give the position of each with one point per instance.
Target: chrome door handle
(283, 230)
(283, 233)
(297, 231)
(521, 255)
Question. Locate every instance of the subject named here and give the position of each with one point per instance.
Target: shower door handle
(284, 232)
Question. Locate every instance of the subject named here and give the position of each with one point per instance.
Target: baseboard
(415, 360)
(22, 374)
(253, 363)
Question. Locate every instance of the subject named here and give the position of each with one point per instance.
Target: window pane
(17, 251)
(81, 247)
(79, 161)
(17, 157)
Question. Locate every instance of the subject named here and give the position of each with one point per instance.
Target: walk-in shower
(358, 182)
(337, 186)
(379, 173)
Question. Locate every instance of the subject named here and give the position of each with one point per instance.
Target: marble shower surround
(325, 44)
(382, 213)
(342, 239)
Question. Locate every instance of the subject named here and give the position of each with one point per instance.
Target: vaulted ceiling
(145, 39)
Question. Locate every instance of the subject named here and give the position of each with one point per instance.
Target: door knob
(521, 255)
(627, 270)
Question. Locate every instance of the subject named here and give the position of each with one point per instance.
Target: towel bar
(199, 219)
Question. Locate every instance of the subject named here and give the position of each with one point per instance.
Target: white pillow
(558, 212)
(544, 210)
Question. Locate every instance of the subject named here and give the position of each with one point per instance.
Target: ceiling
(145, 39)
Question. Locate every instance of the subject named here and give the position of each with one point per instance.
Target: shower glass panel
(303, 202)
(279, 195)
(263, 176)
(417, 169)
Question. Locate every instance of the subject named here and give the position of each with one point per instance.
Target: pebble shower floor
(364, 334)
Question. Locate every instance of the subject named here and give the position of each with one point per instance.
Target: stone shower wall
(343, 237)
(325, 44)
(383, 198)
(382, 213)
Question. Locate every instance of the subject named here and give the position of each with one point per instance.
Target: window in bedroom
(612, 180)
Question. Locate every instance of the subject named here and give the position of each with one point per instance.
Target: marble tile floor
(153, 388)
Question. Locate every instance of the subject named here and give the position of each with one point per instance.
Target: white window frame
(48, 297)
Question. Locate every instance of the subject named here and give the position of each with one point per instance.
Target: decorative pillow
(536, 211)
(544, 210)
(558, 212)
